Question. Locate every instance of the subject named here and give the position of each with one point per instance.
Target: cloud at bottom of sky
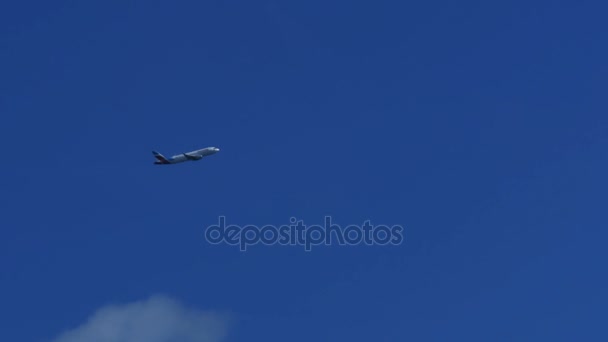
(157, 319)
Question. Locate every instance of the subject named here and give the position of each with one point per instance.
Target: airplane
(188, 156)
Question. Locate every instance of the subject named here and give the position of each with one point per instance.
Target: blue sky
(478, 126)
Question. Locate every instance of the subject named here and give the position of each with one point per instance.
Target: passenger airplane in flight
(179, 158)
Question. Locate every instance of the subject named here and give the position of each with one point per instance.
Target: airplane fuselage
(188, 156)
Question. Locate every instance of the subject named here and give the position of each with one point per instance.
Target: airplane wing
(192, 157)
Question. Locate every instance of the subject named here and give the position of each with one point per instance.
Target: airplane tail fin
(160, 159)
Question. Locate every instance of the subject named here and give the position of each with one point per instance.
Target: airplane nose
(217, 149)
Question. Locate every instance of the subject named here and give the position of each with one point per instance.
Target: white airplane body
(189, 156)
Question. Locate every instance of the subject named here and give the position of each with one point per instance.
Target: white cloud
(158, 319)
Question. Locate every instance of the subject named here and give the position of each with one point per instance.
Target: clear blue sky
(480, 126)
